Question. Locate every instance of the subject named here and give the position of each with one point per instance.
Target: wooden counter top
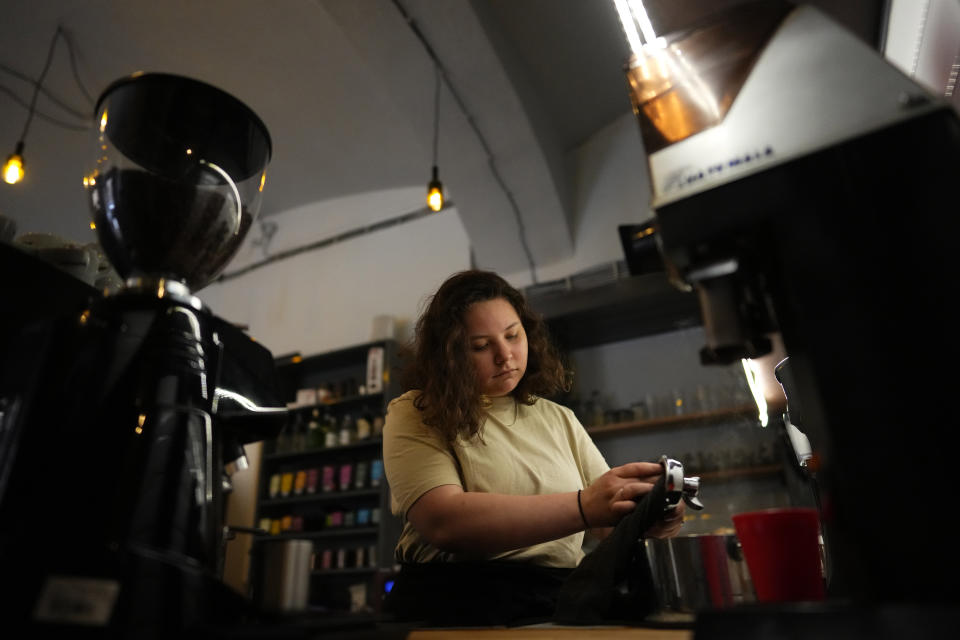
(551, 633)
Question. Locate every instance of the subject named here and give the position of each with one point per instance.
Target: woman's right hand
(614, 494)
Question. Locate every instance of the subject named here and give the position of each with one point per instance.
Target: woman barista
(495, 484)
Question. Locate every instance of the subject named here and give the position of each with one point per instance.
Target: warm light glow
(435, 191)
(263, 178)
(296, 359)
(189, 152)
(629, 28)
(751, 370)
(668, 91)
(103, 121)
(435, 197)
(13, 169)
(93, 226)
(632, 15)
(640, 15)
(140, 420)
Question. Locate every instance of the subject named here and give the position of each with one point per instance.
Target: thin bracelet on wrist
(583, 516)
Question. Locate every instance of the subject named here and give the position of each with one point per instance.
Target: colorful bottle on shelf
(282, 442)
(348, 430)
(360, 475)
(327, 481)
(364, 428)
(274, 485)
(298, 435)
(330, 435)
(376, 473)
(286, 484)
(346, 476)
(299, 482)
(314, 433)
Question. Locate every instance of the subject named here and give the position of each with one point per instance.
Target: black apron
(613, 584)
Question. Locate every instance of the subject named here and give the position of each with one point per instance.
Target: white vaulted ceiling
(346, 89)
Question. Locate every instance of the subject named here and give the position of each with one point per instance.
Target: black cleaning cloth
(613, 583)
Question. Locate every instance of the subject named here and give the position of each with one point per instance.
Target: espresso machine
(802, 185)
(122, 419)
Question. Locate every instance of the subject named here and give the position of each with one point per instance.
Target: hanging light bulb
(435, 192)
(13, 167)
(435, 187)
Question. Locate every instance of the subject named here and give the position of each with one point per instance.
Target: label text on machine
(688, 175)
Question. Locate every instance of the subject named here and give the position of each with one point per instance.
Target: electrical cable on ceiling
(483, 142)
(68, 38)
(320, 244)
(58, 101)
(14, 167)
(38, 83)
(43, 116)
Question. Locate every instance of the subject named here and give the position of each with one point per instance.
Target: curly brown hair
(439, 365)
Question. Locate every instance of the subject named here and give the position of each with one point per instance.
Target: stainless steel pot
(698, 572)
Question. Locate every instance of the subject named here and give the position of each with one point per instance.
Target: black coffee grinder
(118, 420)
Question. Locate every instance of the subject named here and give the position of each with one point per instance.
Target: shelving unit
(329, 488)
(624, 307)
(743, 472)
(693, 420)
(673, 422)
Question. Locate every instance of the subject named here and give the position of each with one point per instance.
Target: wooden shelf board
(744, 472)
(375, 441)
(332, 532)
(349, 571)
(671, 422)
(349, 400)
(322, 496)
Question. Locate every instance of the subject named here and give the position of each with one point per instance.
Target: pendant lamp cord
(36, 88)
(436, 114)
(56, 101)
(483, 142)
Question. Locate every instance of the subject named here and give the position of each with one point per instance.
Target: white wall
(611, 187)
(326, 299)
(632, 371)
(923, 41)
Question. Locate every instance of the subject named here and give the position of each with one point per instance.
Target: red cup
(782, 550)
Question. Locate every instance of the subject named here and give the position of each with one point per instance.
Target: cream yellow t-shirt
(524, 450)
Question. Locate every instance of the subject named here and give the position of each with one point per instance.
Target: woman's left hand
(669, 525)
